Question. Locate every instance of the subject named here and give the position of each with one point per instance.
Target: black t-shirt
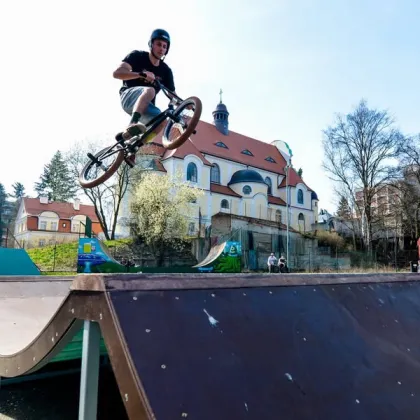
(140, 61)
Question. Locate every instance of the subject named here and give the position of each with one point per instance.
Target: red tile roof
(159, 165)
(276, 200)
(293, 180)
(222, 189)
(152, 149)
(188, 148)
(207, 136)
(64, 210)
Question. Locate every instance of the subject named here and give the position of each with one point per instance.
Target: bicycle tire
(85, 183)
(193, 100)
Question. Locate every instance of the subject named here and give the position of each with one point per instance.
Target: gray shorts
(129, 98)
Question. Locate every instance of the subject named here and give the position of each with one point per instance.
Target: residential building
(40, 222)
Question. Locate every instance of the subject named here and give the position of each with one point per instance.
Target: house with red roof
(244, 179)
(40, 222)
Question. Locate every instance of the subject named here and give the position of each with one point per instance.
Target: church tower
(221, 117)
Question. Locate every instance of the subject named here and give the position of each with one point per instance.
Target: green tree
(161, 209)
(3, 199)
(57, 181)
(343, 210)
(18, 190)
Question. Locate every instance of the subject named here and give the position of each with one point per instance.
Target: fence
(305, 255)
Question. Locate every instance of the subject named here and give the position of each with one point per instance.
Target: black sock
(135, 118)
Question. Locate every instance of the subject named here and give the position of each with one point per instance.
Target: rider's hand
(150, 77)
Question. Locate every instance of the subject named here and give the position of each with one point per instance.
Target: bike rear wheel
(107, 160)
(176, 133)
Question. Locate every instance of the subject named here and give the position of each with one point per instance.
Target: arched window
(192, 172)
(270, 186)
(224, 204)
(301, 222)
(300, 197)
(215, 173)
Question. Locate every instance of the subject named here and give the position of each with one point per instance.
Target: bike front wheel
(101, 166)
(186, 117)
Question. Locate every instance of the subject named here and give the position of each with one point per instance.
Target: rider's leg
(135, 102)
(141, 105)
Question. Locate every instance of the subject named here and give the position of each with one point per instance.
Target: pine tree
(57, 181)
(343, 210)
(3, 198)
(18, 190)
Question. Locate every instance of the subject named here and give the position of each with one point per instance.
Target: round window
(246, 190)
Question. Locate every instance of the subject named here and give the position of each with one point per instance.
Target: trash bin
(414, 266)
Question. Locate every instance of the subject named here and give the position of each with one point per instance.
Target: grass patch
(62, 258)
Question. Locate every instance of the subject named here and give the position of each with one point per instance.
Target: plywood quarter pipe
(243, 346)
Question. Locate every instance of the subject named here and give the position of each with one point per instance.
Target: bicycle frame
(151, 125)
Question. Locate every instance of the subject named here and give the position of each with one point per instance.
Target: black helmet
(160, 34)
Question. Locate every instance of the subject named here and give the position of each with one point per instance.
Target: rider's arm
(125, 72)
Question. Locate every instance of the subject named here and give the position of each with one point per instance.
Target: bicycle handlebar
(161, 86)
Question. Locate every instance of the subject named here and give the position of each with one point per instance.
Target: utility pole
(287, 212)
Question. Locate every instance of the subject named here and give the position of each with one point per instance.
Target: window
(247, 152)
(301, 222)
(300, 197)
(224, 204)
(54, 226)
(247, 190)
(221, 144)
(215, 173)
(278, 216)
(41, 242)
(191, 229)
(270, 186)
(270, 159)
(75, 226)
(192, 172)
(43, 225)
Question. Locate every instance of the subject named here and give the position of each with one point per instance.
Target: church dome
(314, 196)
(246, 175)
(221, 107)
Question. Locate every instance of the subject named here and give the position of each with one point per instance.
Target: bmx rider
(138, 94)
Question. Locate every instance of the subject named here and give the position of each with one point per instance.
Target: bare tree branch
(360, 152)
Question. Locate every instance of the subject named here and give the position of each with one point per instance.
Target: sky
(286, 69)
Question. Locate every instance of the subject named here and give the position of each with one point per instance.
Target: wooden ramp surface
(212, 346)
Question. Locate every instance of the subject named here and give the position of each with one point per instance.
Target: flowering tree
(161, 211)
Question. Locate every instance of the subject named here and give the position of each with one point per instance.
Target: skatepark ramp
(239, 346)
(16, 262)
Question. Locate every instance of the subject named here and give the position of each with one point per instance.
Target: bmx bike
(101, 166)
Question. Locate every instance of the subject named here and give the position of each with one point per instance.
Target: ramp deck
(212, 346)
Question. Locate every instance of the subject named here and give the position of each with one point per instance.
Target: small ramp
(222, 258)
(215, 251)
(93, 256)
(209, 346)
(16, 262)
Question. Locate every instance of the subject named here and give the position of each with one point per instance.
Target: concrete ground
(58, 398)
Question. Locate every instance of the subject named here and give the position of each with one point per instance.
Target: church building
(244, 181)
